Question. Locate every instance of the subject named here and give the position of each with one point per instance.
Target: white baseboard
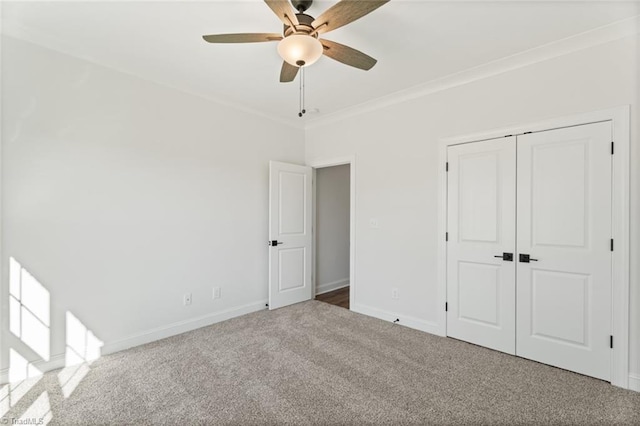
(634, 382)
(55, 362)
(411, 322)
(58, 361)
(180, 327)
(335, 285)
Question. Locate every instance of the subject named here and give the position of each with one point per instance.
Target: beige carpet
(315, 363)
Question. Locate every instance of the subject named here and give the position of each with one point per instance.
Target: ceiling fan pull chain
(301, 99)
(300, 94)
(304, 111)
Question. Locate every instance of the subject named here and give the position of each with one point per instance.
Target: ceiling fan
(299, 44)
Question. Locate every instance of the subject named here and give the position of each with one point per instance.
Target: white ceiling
(414, 41)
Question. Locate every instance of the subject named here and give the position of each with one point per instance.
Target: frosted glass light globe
(300, 50)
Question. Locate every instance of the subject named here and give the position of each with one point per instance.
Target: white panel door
(564, 225)
(289, 234)
(481, 226)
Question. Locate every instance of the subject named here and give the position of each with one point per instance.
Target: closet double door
(529, 246)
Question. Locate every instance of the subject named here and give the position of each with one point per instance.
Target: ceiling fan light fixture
(300, 50)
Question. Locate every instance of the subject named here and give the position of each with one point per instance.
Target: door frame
(620, 120)
(321, 164)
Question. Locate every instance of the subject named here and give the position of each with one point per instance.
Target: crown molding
(44, 41)
(617, 30)
(601, 35)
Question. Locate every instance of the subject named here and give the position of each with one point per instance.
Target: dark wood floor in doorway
(339, 297)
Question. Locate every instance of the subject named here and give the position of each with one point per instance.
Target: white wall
(397, 173)
(120, 195)
(332, 227)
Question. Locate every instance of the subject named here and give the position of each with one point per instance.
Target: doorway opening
(332, 234)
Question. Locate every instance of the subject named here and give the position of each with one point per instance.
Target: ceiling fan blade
(288, 72)
(345, 12)
(347, 55)
(242, 38)
(285, 12)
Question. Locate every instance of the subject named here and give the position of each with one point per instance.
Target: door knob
(274, 243)
(506, 256)
(525, 258)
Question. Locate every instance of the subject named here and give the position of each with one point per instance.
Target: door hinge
(446, 167)
(612, 244)
(446, 236)
(446, 306)
(611, 148)
(611, 342)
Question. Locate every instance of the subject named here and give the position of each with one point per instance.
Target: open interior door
(290, 239)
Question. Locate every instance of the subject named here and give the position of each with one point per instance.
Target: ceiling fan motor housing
(304, 26)
(301, 5)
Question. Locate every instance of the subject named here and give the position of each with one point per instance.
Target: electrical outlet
(217, 294)
(187, 299)
(395, 294)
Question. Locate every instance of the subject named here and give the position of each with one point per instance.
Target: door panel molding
(620, 120)
(290, 239)
(482, 225)
(564, 199)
